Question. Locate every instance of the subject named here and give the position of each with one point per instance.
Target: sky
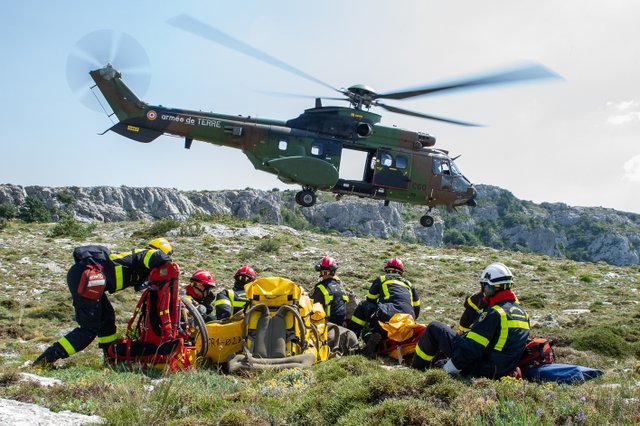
(574, 140)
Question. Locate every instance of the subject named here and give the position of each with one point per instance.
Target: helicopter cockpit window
(316, 149)
(454, 169)
(386, 160)
(282, 145)
(401, 162)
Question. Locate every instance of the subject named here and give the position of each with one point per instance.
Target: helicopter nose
(472, 193)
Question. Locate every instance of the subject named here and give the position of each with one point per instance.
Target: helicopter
(397, 165)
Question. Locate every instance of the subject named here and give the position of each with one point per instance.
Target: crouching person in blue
(96, 272)
(494, 344)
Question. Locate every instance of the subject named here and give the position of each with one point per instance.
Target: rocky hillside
(500, 220)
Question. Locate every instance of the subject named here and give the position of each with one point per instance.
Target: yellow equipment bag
(282, 328)
(400, 327)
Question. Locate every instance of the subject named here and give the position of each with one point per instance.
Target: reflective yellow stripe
(461, 328)
(518, 324)
(422, 355)
(345, 298)
(385, 289)
(68, 347)
(504, 329)
(473, 305)
(416, 303)
(119, 278)
(108, 339)
(477, 338)
(358, 320)
(327, 298)
(222, 302)
(373, 297)
(147, 258)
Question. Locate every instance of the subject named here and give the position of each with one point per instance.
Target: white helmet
(495, 277)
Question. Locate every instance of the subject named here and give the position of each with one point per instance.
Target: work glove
(451, 368)
(202, 309)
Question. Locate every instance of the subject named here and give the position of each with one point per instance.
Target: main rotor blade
(520, 73)
(427, 116)
(199, 28)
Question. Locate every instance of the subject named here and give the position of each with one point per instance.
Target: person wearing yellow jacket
(96, 272)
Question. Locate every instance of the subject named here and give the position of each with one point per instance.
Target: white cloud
(632, 169)
(624, 112)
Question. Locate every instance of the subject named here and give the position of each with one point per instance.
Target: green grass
(35, 308)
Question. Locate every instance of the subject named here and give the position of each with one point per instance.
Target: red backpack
(538, 351)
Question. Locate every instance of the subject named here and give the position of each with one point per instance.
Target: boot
(370, 349)
(49, 356)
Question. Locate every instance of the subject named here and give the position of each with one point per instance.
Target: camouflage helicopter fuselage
(400, 165)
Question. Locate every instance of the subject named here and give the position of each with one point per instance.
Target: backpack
(282, 328)
(91, 255)
(538, 351)
(159, 333)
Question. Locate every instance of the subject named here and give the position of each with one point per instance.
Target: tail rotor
(96, 50)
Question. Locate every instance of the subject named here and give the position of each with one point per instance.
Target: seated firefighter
(231, 301)
(493, 345)
(389, 294)
(329, 291)
(96, 269)
(200, 290)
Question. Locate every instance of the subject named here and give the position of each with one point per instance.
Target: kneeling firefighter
(200, 290)
(96, 270)
(230, 301)
(389, 294)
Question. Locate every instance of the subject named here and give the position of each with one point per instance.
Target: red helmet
(245, 271)
(394, 264)
(327, 263)
(203, 277)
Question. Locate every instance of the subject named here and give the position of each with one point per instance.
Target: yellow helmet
(161, 244)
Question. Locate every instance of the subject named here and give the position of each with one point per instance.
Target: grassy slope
(35, 309)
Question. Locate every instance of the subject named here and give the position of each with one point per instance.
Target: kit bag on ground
(561, 373)
(538, 351)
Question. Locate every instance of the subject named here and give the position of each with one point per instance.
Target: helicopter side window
(401, 162)
(386, 160)
(282, 145)
(437, 166)
(316, 149)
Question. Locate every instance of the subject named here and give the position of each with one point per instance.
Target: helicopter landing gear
(426, 221)
(306, 197)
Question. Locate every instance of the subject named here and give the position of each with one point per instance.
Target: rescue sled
(165, 330)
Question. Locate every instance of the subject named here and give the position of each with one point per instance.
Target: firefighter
(230, 301)
(329, 291)
(200, 290)
(96, 270)
(495, 341)
(389, 294)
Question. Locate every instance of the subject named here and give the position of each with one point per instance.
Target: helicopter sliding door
(392, 169)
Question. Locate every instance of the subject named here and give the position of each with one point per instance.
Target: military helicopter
(399, 165)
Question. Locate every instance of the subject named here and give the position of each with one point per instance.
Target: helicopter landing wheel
(306, 198)
(426, 221)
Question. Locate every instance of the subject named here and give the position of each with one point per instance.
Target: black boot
(372, 341)
(50, 355)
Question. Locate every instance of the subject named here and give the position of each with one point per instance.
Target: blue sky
(574, 141)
